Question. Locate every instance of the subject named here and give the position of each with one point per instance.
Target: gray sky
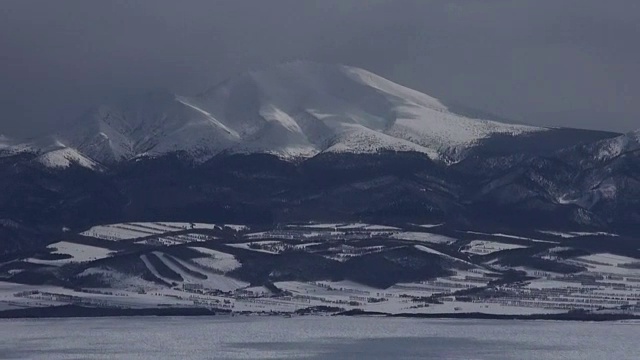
(549, 62)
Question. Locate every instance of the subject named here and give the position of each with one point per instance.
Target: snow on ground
(281, 100)
(213, 281)
(306, 245)
(125, 231)
(430, 226)
(608, 264)
(188, 226)
(176, 239)
(348, 285)
(147, 296)
(65, 157)
(508, 236)
(153, 269)
(461, 307)
(482, 247)
(361, 226)
(236, 227)
(327, 291)
(78, 253)
(435, 252)
(247, 246)
(322, 226)
(574, 234)
(258, 291)
(291, 234)
(216, 260)
(609, 259)
(120, 280)
(9, 300)
(423, 237)
(551, 284)
(350, 295)
(348, 226)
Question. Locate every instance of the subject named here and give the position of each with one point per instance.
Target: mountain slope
(294, 110)
(593, 184)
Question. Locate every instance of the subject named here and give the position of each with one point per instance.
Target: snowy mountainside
(155, 123)
(5, 141)
(48, 152)
(608, 149)
(52, 153)
(64, 157)
(600, 152)
(293, 110)
(593, 184)
(9, 146)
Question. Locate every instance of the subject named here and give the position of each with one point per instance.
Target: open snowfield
(126, 231)
(423, 237)
(482, 247)
(216, 260)
(569, 235)
(77, 252)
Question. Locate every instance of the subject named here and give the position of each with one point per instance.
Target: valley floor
(415, 270)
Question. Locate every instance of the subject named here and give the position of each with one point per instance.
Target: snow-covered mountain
(293, 110)
(10, 146)
(49, 152)
(603, 151)
(7, 143)
(4, 142)
(369, 150)
(57, 155)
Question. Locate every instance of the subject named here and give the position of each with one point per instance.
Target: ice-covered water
(313, 338)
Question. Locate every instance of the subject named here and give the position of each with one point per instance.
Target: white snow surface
(611, 148)
(574, 234)
(213, 281)
(293, 110)
(5, 142)
(216, 260)
(65, 157)
(78, 253)
(423, 237)
(125, 231)
(436, 252)
(482, 247)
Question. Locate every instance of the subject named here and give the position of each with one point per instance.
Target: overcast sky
(548, 62)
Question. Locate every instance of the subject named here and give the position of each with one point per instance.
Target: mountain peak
(291, 110)
(4, 141)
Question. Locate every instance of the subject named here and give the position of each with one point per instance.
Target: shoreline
(73, 311)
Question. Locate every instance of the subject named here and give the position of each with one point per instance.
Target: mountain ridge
(292, 110)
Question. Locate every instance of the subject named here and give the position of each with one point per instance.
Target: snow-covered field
(126, 231)
(423, 237)
(574, 234)
(509, 236)
(173, 265)
(77, 252)
(216, 260)
(482, 247)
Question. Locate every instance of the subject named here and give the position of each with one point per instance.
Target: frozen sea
(314, 338)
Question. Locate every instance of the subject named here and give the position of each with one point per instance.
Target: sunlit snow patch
(481, 247)
(216, 260)
(423, 237)
(77, 252)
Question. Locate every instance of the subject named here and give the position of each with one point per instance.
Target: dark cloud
(550, 62)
